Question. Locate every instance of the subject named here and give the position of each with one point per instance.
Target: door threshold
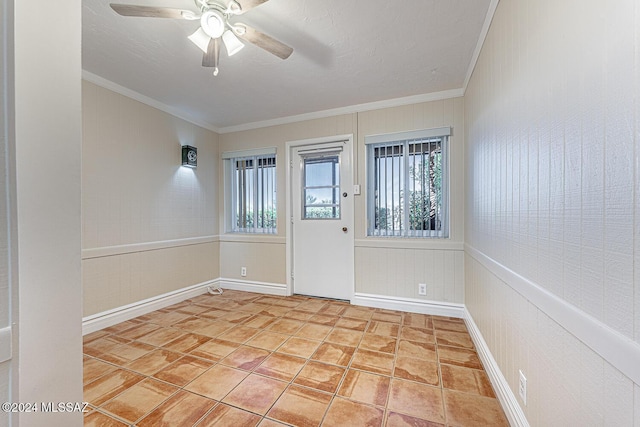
(325, 298)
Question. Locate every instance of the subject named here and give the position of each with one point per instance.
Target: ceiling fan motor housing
(213, 23)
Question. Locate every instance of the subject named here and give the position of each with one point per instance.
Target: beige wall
(553, 255)
(437, 263)
(264, 260)
(149, 225)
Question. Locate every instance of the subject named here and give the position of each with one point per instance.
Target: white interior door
(322, 220)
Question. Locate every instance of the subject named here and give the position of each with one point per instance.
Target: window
(407, 184)
(251, 191)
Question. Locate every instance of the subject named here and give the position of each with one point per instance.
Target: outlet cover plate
(422, 288)
(522, 388)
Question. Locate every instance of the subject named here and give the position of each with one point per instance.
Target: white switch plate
(356, 189)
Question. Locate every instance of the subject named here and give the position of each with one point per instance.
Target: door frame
(290, 147)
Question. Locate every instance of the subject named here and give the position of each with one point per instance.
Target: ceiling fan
(214, 19)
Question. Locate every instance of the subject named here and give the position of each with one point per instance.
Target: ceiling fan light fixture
(200, 39)
(213, 23)
(232, 43)
(214, 18)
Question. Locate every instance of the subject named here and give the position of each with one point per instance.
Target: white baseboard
(249, 286)
(505, 395)
(436, 308)
(108, 318)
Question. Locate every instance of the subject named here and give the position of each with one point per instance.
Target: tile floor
(246, 359)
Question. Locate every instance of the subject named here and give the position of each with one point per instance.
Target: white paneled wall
(553, 155)
(141, 209)
(397, 272)
(568, 384)
(553, 191)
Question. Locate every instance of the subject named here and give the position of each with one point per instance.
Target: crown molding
(358, 108)
(114, 87)
(483, 36)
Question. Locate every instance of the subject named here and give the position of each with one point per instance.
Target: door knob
(344, 229)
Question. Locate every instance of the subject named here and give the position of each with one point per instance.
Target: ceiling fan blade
(211, 58)
(266, 42)
(250, 4)
(150, 11)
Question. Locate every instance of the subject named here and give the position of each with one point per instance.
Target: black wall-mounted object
(189, 156)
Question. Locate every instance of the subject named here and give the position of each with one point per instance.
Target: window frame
(231, 188)
(406, 139)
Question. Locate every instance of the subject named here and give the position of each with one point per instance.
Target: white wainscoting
(119, 276)
(507, 399)
(617, 349)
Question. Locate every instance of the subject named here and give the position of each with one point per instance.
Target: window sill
(410, 243)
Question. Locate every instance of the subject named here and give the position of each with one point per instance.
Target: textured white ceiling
(346, 53)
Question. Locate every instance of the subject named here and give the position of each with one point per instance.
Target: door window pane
(321, 188)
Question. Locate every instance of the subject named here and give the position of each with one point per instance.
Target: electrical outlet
(522, 388)
(243, 271)
(422, 288)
